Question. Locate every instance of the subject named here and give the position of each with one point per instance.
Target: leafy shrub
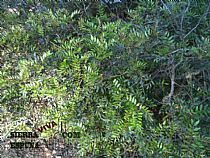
(132, 87)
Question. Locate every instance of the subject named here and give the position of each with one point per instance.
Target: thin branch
(199, 21)
(172, 83)
(176, 51)
(86, 8)
(166, 7)
(183, 15)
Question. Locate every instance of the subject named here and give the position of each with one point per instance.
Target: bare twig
(166, 7)
(167, 99)
(86, 8)
(199, 21)
(183, 15)
(177, 50)
(172, 84)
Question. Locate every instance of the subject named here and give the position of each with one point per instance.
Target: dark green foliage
(133, 87)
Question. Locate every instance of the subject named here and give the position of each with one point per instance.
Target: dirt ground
(48, 148)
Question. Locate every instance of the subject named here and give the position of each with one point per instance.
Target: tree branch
(166, 7)
(183, 15)
(199, 21)
(172, 84)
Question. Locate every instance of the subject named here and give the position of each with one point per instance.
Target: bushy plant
(136, 87)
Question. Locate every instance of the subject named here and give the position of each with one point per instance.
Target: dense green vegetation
(133, 79)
